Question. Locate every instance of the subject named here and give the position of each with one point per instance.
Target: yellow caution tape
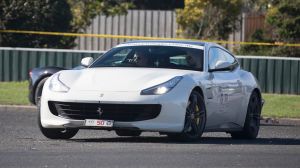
(145, 38)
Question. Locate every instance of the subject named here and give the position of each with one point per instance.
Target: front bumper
(115, 112)
(170, 119)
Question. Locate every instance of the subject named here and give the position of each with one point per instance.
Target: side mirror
(87, 61)
(222, 66)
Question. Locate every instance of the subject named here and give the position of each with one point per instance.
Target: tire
(56, 133)
(195, 119)
(128, 133)
(252, 122)
(39, 90)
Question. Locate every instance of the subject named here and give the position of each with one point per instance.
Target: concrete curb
(280, 121)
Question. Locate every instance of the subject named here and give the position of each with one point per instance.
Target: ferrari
(177, 88)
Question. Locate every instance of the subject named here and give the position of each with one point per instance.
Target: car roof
(168, 41)
(206, 45)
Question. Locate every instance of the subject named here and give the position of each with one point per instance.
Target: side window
(214, 57)
(217, 55)
(227, 57)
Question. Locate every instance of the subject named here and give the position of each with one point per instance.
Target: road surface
(22, 145)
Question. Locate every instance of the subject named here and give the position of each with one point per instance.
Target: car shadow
(203, 140)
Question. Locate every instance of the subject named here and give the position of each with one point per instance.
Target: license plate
(99, 123)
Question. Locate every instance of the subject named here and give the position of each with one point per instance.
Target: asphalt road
(22, 145)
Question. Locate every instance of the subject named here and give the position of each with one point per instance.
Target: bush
(257, 36)
(36, 15)
(208, 19)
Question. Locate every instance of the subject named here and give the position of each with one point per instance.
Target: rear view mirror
(87, 61)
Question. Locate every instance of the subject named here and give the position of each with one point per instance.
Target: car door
(226, 89)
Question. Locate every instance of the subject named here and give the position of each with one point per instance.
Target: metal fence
(15, 63)
(154, 23)
(151, 23)
(275, 75)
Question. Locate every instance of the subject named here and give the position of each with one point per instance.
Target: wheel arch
(37, 83)
(261, 100)
(199, 90)
(257, 90)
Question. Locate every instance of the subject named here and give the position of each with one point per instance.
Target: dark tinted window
(152, 57)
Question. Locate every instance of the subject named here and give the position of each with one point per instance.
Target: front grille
(116, 112)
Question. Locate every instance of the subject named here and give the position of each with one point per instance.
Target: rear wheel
(128, 133)
(195, 119)
(252, 122)
(56, 133)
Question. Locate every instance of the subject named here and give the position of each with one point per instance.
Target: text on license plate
(99, 123)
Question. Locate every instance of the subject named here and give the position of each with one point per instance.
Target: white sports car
(177, 88)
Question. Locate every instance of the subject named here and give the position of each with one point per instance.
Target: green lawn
(15, 93)
(278, 106)
(281, 106)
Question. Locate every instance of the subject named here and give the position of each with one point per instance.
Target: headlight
(56, 85)
(162, 88)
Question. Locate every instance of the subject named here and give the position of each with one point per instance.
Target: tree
(157, 4)
(52, 16)
(258, 36)
(256, 5)
(36, 15)
(85, 11)
(208, 19)
(284, 16)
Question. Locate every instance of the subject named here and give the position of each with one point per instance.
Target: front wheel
(56, 133)
(252, 122)
(195, 119)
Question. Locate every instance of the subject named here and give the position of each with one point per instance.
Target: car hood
(118, 79)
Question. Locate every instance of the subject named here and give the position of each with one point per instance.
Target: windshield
(152, 57)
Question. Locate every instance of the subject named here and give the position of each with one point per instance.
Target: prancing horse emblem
(100, 111)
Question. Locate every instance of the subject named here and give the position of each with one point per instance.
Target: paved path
(22, 145)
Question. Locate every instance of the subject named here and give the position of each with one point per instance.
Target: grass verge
(14, 93)
(281, 106)
(277, 106)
